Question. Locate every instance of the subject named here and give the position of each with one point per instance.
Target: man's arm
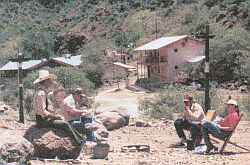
(39, 106)
(196, 115)
(77, 112)
(225, 128)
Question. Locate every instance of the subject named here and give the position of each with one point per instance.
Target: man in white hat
(222, 128)
(45, 113)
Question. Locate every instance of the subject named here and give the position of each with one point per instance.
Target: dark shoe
(210, 148)
(180, 144)
(196, 145)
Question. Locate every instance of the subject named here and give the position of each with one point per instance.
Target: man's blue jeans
(209, 127)
(79, 125)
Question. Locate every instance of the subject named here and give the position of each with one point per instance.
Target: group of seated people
(194, 120)
(74, 120)
(77, 122)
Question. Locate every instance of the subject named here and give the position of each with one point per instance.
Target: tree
(38, 45)
(229, 53)
(93, 66)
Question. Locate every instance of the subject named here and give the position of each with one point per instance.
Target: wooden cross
(206, 38)
(19, 60)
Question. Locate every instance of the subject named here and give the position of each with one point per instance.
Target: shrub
(164, 103)
(38, 45)
(93, 67)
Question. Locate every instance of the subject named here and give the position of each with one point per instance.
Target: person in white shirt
(78, 118)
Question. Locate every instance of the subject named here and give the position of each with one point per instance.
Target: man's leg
(89, 134)
(180, 125)
(60, 124)
(211, 128)
(196, 134)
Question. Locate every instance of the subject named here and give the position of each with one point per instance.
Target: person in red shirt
(222, 128)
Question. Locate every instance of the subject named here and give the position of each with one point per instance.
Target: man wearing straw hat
(45, 113)
(193, 115)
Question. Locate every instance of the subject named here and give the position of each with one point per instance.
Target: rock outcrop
(113, 119)
(15, 148)
(51, 143)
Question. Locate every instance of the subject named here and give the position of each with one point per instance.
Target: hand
(87, 114)
(186, 108)
(59, 117)
(59, 89)
(219, 126)
(198, 123)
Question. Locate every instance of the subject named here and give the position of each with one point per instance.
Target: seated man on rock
(79, 119)
(192, 116)
(46, 115)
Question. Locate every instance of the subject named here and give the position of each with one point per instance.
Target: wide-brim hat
(233, 102)
(44, 75)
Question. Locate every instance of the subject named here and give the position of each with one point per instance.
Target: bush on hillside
(229, 54)
(38, 45)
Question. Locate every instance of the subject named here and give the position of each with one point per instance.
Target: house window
(164, 59)
(175, 50)
(176, 67)
(159, 70)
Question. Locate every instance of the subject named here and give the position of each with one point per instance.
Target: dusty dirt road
(123, 99)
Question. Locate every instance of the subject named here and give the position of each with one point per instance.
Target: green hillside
(45, 28)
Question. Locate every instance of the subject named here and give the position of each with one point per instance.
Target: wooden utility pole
(121, 47)
(19, 61)
(206, 38)
(156, 29)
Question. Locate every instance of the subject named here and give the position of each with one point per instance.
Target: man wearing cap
(193, 114)
(75, 116)
(222, 128)
(43, 108)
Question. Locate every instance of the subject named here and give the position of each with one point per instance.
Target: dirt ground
(159, 137)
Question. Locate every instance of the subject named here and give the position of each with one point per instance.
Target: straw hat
(44, 75)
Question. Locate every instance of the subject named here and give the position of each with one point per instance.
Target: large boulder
(15, 148)
(113, 119)
(51, 143)
(102, 131)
